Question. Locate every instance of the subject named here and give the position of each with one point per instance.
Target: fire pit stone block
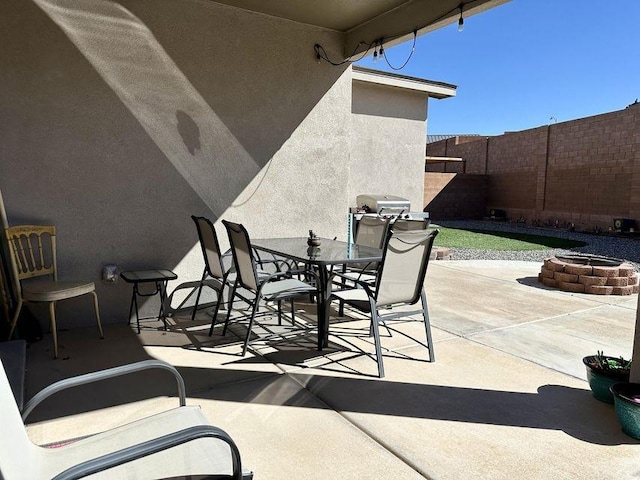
(592, 280)
(589, 274)
(598, 289)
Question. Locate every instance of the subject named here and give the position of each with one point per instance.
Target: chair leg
(14, 321)
(293, 313)
(279, 312)
(427, 326)
(226, 321)
(376, 336)
(54, 328)
(195, 307)
(250, 326)
(95, 306)
(215, 312)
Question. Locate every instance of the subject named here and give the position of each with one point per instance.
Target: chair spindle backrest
(210, 246)
(404, 266)
(33, 250)
(242, 257)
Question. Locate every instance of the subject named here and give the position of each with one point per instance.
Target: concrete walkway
(506, 397)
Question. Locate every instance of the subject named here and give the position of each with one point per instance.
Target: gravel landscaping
(623, 248)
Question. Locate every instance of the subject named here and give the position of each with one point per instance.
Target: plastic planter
(627, 405)
(601, 381)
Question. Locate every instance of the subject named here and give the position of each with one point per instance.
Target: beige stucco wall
(119, 121)
(387, 142)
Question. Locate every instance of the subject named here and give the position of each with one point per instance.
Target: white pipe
(635, 364)
(3, 213)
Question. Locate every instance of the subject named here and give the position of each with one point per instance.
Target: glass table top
(328, 253)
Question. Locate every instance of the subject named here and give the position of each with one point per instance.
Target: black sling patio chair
(400, 281)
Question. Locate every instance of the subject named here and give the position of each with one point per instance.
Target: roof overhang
(429, 87)
(364, 21)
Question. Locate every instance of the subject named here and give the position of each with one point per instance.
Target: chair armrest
(365, 285)
(135, 452)
(278, 262)
(101, 375)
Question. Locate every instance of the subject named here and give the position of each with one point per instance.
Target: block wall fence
(585, 172)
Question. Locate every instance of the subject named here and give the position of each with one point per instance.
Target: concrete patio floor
(506, 397)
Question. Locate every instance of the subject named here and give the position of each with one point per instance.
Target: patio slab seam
(364, 431)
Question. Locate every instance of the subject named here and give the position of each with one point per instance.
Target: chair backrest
(404, 266)
(210, 246)
(410, 224)
(372, 231)
(242, 257)
(32, 251)
(16, 450)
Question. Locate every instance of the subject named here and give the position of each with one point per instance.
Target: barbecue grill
(387, 206)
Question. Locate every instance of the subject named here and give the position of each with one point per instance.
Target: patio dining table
(329, 254)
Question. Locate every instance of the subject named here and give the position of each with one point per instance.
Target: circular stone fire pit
(593, 274)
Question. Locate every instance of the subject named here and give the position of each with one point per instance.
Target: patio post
(635, 364)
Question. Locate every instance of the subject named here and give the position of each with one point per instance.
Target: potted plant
(603, 372)
(627, 404)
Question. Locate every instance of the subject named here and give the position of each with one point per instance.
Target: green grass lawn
(490, 240)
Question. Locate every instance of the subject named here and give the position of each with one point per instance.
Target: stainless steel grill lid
(384, 204)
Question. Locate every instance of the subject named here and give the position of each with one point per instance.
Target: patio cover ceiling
(366, 21)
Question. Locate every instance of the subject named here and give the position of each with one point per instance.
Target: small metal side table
(160, 278)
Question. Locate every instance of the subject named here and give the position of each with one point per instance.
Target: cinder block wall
(453, 196)
(585, 171)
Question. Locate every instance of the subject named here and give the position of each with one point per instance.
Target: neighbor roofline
(432, 88)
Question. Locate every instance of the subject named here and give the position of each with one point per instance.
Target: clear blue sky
(519, 64)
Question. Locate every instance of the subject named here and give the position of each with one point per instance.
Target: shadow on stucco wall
(123, 119)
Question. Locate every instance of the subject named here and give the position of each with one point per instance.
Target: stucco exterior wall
(387, 142)
(120, 120)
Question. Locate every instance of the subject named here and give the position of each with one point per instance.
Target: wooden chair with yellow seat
(33, 254)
